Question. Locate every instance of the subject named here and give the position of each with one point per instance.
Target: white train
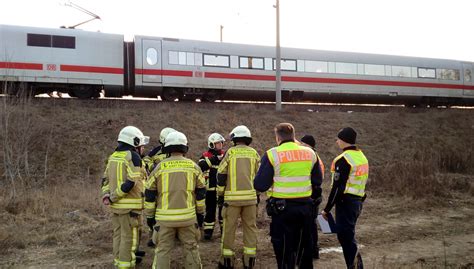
(84, 63)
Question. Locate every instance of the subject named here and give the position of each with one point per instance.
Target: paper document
(327, 226)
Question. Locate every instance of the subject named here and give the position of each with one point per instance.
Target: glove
(214, 160)
(220, 201)
(200, 219)
(150, 221)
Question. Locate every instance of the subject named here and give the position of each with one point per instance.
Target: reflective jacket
(175, 191)
(292, 166)
(235, 175)
(358, 174)
(123, 181)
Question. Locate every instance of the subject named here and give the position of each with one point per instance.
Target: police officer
(122, 189)
(209, 162)
(235, 190)
(292, 177)
(349, 173)
(174, 203)
(309, 141)
(156, 155)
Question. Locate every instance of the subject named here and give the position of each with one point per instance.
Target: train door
(151, 50)
(468, 79)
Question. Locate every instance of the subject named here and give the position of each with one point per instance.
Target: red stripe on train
(91, 69)
(16, 65)
(162, 72)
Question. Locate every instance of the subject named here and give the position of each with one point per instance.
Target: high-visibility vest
(175, 179)
(358, 174)
(240, 163)
(120, 168)
(292, 165)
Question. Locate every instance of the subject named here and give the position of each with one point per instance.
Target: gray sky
(422, 28)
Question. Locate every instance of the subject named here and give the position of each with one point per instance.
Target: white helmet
(176, 139)
(164, 133)
(240, 131)
(214, 138)
(132, 136)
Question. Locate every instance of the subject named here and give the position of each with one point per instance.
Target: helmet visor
(144, 140)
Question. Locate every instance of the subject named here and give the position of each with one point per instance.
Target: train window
(286, 65)
(37, 40)
(173, 57)
(300, 65)
(234, 61)
(181, 57)
(151, 56)
(332, 67)
(426, 72)
(346, 68)
(360, 69)
(467, 75)
(449, 74)
(316, 66)
(401, 71)
(374, 70)
(216, 60)
(65, 42)
(388, 70)
(189, 58)
(251, 62)
(268, 64)
(414, 72)
(198, 59)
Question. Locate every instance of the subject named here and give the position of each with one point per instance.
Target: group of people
(180, 198)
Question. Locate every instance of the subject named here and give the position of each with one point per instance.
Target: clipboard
(327, 226)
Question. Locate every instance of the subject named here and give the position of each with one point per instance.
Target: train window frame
(38, 40)
(281, 65)
(182, 58)
(341, 64)
(448, 74)
(250, 59)
(268, 64)
(426, 69)
(215, 55)
(402, 68)
(63, 42)
(309, 64)
(173, 59)
(375, 70)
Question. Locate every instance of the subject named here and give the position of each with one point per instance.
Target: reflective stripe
(122, 264)
(354, 191)
(208, 161)
(227, 252)
(134, 244)
(276, 165)
(211, 189)
(250, 251)
(200, 203)
(175, 214)
(128, 203)
(150, 205)
(292, 179)
(292, 189)
(358, 173)
(356, 182)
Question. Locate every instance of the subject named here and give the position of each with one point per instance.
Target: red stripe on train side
(163, 72)
(91, 69)
(23, 66)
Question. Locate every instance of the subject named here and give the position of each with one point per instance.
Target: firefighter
(175, 203)
(292, 177)
(122, 189)
(236, 193)
(209, 162)
(349, 174)
(156, 155)
(309, 141)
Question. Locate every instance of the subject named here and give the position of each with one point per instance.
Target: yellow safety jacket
(176, 180)
(153, 161)
(292, 165)
(240, 164)
(120, 168)
(358, 174)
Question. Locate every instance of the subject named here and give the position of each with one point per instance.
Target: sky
(420, 28)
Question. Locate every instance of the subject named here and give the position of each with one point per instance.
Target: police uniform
(291, 177)
(174, 195)
(349, 174)
(122, 186)
(209, 162)
(235, 175)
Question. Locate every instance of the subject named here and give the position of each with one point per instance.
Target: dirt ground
(419, 213)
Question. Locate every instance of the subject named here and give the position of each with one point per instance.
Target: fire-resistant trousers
(210, 217)
(248, 216)
(290, 232)
(188, 235)
(347, 213)
(125, 239)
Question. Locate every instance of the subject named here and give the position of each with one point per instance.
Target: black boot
(227, 264)
(251, 263)
(207, 234)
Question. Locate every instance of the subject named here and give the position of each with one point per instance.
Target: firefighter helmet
(132, 136)
(164, 133)
(176, 142)
(241, 134)
(214, 138)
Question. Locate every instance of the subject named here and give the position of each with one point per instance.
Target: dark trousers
(314, 230)
(211, 204)
(290, 230)
(347, 212)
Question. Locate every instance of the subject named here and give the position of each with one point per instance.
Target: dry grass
(54, 152)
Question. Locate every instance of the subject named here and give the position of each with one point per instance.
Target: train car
(188, 69)
(78, 62)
